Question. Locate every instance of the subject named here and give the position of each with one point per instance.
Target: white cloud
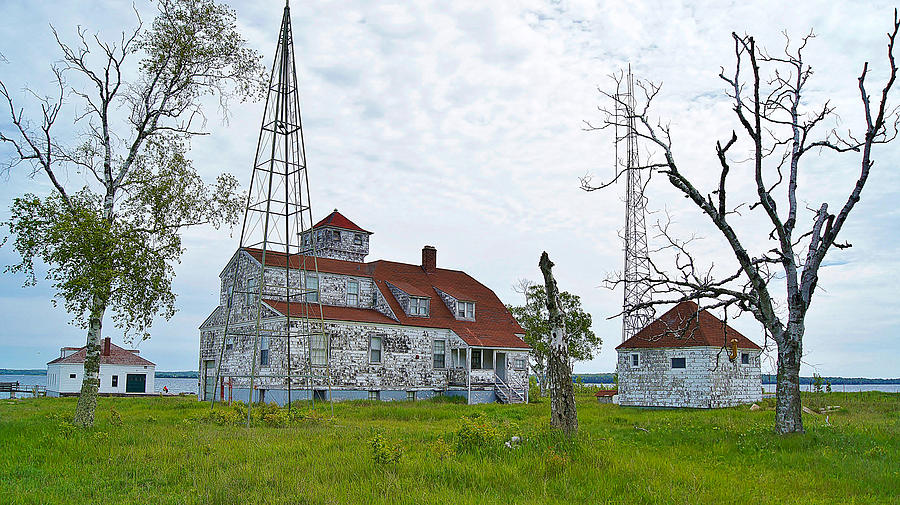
(459, 125)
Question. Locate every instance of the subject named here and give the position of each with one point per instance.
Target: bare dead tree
(562, 394)
(782, 129)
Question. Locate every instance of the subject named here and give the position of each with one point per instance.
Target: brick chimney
(105, 350)
(429, 259)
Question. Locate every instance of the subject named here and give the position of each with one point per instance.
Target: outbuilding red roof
(116, 356)
(684, 326)
(337, 220)
(494, 326)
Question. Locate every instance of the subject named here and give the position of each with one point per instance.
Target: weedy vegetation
(177, 450)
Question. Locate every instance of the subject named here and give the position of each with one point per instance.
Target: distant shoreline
(603, 378)
(163, 375)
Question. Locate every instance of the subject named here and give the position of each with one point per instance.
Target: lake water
(175, 385)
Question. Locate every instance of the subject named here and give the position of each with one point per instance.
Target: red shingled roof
(683, 326)
(117, 356)
(331, 312)
(337, 220)
(494, 326)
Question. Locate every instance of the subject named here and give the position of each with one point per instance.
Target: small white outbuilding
(122, 371)
(688, 358)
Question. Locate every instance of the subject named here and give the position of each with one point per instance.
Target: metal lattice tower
(277, 215)
(637, 262)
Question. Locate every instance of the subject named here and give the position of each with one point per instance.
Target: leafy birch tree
(111, 235)
(784, 132)
(534, 318)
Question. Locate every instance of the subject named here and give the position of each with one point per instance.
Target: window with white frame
(312, 288)
(357, 239)
(465, 310)
(374, 396)
(635, 359)
(353, 293)
(318, 350)
(519, 363)
(264, 351)
(229, 342)
(410, 396)
(745, 358)
(375, 349)
(440, 354)
(462, 358)
(418, 306)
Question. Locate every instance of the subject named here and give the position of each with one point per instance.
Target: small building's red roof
(494, 326)
(116, 356)
(337, 220)
(684, 326)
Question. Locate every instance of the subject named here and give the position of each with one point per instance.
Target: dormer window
(418, 306)
(465, 310)
(357, 239)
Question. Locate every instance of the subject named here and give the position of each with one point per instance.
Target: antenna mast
(277, 215)
(637, 262)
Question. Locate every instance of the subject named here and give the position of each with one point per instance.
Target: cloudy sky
(459, 124)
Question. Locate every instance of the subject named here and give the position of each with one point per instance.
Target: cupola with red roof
(337, 238)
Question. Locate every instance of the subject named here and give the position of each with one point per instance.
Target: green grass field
(172, 450)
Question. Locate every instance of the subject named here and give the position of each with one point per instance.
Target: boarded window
(353, 293)
(264, 351)
(678, 363)
(440, 356)
(487, 359)
(375, 349)
(251, 291)
(745, 358)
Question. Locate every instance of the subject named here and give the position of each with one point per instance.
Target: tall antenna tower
(278, 213)
(637, 262)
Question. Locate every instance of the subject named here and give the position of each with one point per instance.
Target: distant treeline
(607, 378)
(770, 379)
(164, 375)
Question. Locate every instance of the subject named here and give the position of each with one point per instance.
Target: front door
(209, 382)
(500, 365)
(136, 383)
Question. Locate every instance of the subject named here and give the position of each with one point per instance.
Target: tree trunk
(788, 415)
(87, 400)
(562, 394)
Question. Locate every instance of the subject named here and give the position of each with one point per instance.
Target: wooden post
(562, 394)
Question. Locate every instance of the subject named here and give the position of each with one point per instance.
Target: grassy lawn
(173, 450)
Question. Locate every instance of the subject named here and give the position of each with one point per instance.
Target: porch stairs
(507, 393)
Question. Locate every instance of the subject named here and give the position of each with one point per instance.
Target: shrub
(441, 449)
(477, 433)
(384, 452)
(115, 418)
